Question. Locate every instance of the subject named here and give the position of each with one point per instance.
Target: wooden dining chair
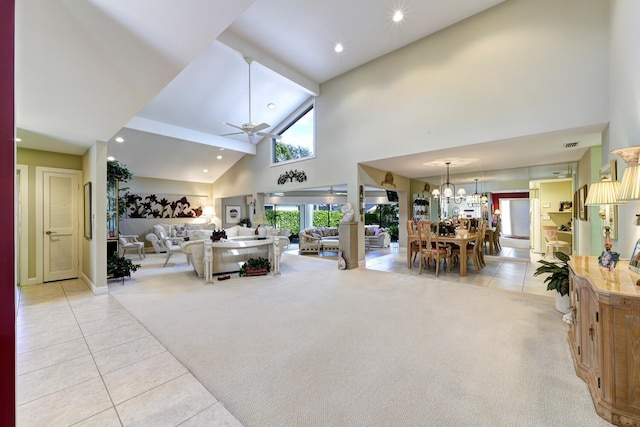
(475, 251)
(431, 248)
(465, 223)
(414, 246)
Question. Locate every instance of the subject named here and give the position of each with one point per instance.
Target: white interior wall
(624, 128)
(506, 72)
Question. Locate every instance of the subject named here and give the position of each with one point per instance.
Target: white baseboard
(97, 290)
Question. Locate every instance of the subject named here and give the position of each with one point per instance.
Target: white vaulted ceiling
(164, 75)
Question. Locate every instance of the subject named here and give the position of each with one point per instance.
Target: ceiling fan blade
(233, 133)
(233, 126)
(270, 135)
(261, 126)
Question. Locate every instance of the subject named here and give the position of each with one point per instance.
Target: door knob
(50, 232)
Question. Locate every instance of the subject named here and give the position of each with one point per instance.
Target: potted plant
(118, 173)
(558, 279)
(245, 222)
(120, 267)
(255, 267)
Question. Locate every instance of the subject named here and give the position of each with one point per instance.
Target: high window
(298, 138)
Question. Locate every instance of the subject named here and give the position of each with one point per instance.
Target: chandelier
(476, 199)
(448, 192)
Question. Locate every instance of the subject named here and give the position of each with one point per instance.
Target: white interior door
(60, 224)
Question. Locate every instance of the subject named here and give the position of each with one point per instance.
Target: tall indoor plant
(119, 266)
(558, 279)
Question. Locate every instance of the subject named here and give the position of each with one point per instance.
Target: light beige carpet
(323, 347)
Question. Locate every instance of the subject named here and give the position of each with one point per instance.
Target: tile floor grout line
(104, 384)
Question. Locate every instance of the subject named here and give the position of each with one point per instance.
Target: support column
(349, 243)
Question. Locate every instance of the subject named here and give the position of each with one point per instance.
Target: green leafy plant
(119, 266)
(558, 271)
(255, 264)
(118, 173)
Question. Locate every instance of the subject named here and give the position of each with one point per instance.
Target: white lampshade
(447, 192)
(435, 192)
(604, 193)
(630, 185)
(259, 218)
(462, 192)
(208, 211)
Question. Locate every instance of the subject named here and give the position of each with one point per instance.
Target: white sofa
(176, 233)
(228, 260)
(376, 237)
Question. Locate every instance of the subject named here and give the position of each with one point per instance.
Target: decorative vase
(563, 303)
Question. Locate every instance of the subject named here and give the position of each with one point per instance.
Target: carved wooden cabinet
(605, 337)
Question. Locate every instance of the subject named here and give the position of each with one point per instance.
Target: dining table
(460, 240)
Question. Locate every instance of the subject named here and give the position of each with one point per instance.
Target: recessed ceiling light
(205, 170)
(119, 139)
(271, 106)
(111, 158)
(397, 16)
(338, 47)
(219, 157)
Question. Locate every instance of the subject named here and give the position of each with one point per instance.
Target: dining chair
(475, 250)
(431, 248)
(552, 241)
(414, 247)
(465, 223)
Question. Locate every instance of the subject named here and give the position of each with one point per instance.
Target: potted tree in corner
(558, 279)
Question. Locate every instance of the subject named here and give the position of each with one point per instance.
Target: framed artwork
(609, 213)
(634, 261)
(87, 211)
(582, 209)
(576, 211)
(232, 214)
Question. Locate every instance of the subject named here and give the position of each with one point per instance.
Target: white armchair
(308, 243)
(130, 241)
(173, 248)
(161, 243)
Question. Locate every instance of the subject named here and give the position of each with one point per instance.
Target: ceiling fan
(337, 193)
(251, 129)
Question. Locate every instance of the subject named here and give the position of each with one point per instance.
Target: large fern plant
(558, 271)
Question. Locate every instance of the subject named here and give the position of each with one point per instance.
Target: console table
(214, 253)
(604, 337)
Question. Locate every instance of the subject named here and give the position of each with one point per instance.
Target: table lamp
(260, 219)
(630, 185)
(605, 193)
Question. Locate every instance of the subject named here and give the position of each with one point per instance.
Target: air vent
(571, 144)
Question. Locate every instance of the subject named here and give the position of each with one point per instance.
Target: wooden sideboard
(605, 337)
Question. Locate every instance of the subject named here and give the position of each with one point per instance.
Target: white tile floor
(83, 360)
